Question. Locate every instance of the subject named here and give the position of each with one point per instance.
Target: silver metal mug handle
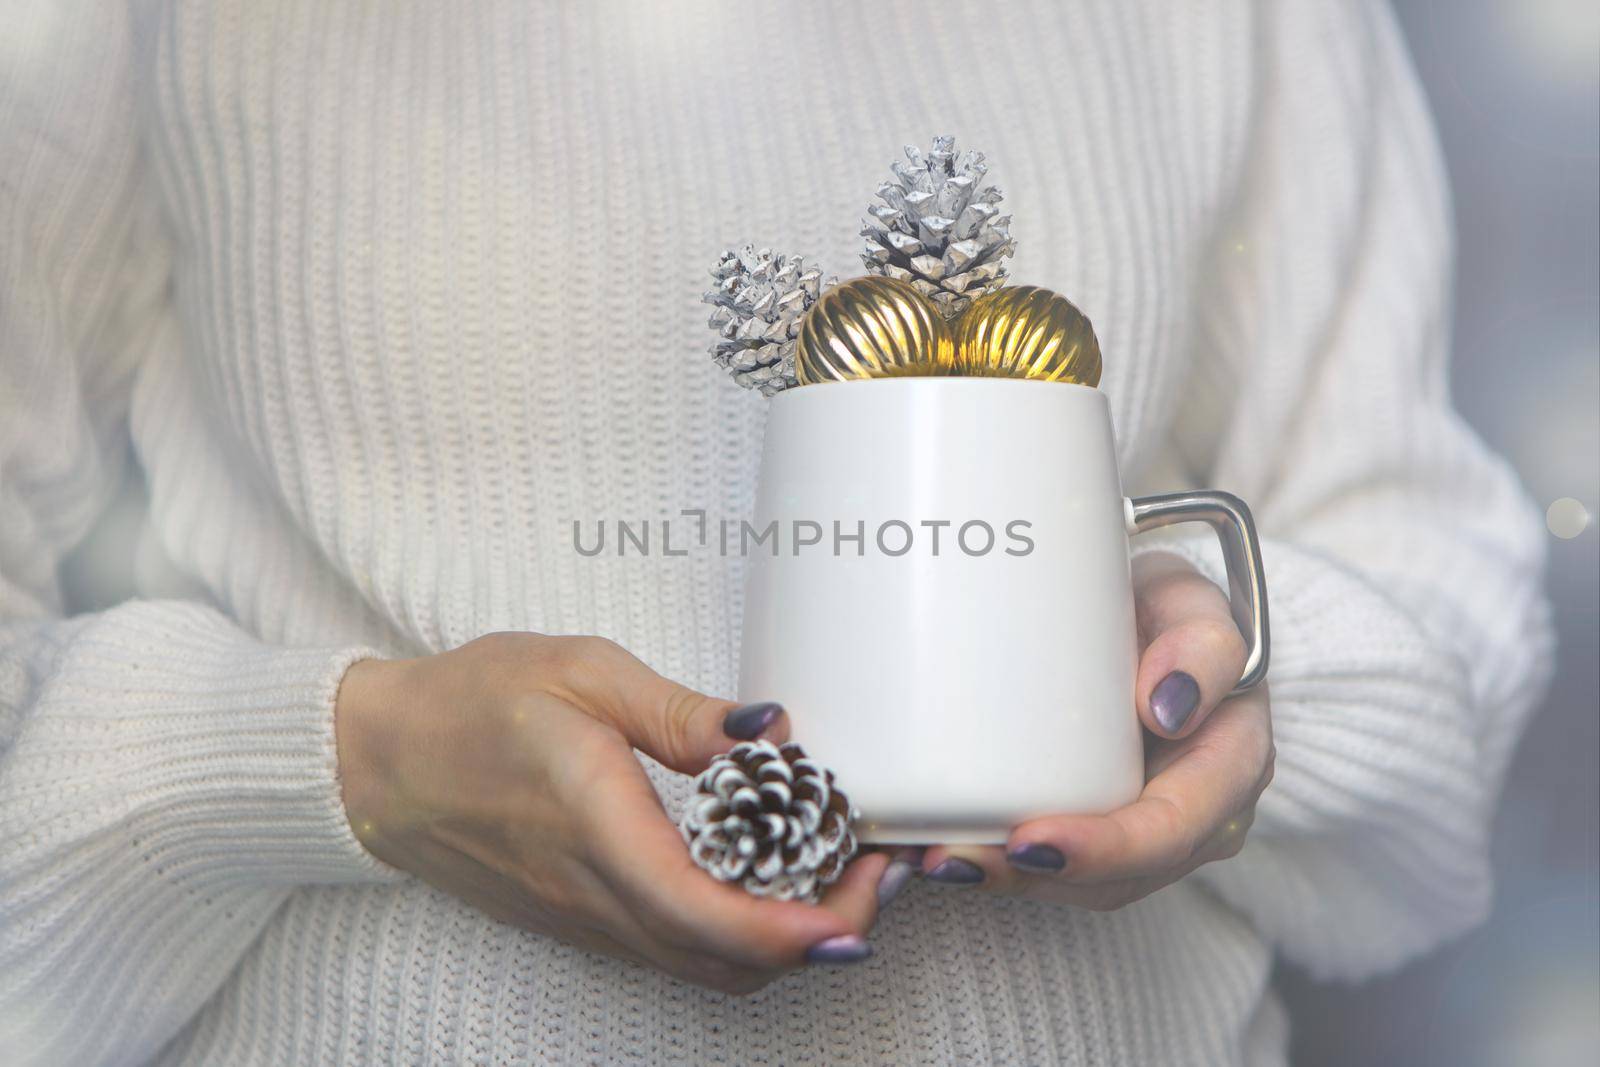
(1241, 551)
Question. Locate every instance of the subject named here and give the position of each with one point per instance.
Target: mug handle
(1241, 551)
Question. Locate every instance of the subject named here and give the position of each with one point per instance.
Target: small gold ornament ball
(872, 327)
(1023, 331)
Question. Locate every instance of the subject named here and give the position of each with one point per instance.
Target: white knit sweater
(380, 297)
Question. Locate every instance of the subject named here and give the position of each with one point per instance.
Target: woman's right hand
(503, 773)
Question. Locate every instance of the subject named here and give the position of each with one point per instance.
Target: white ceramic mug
(961, 678)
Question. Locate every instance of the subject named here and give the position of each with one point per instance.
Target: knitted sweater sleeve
(164, 778)
(1410, 632)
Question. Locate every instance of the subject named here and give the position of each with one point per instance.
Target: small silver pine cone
(940, 228)
(759, 299)
(771, 819)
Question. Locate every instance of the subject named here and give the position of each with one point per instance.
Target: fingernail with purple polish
(895, 878)
(955, 871)
(751, 721)
(1042, 859)
(846, 948)
(1174, 699)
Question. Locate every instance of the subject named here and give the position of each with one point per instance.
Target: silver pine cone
(770, 818)
(939, 227)
(759, 298)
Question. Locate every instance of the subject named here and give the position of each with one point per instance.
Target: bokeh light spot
(1567, 518)
(1557, 41)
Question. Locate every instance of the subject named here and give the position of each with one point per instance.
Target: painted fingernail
(846, 948)
(895, 878)
(1174, 699)
(1045, 859)
(751, 721)
(955, 871)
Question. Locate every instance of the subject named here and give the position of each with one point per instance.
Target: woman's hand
(1209, 760)
(503, 773)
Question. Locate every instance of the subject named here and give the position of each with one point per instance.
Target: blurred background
(1515, 89)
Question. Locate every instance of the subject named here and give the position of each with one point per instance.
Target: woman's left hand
(1206, 765)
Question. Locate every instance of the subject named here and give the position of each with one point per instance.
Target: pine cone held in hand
(759, 299)
(940, 228)
(771, 819)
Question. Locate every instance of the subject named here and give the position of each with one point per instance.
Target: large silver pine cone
(759, 298)
(770, 818)
(940, 228)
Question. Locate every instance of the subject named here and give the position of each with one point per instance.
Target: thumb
(1194, 652)
(675, 725)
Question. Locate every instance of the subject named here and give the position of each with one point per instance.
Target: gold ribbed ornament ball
(1023, 331)
(872, 327)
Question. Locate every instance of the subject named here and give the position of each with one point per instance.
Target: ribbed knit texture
(381, 297)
